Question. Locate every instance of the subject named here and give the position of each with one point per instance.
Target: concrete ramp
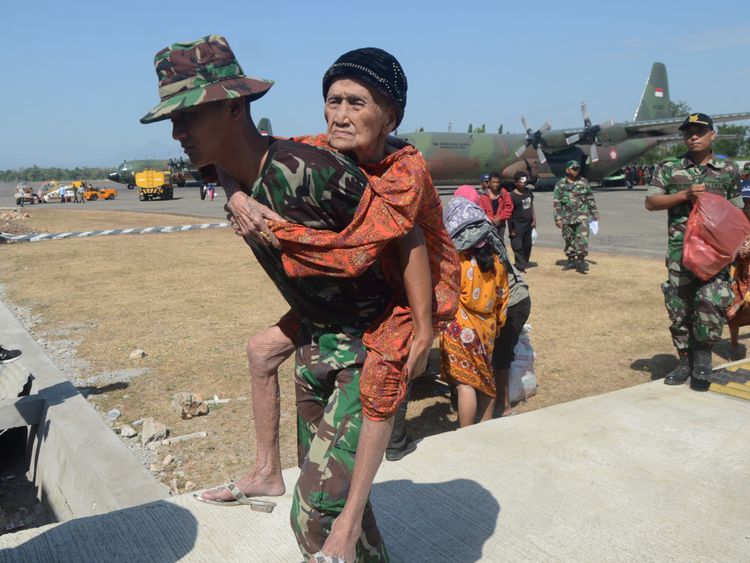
(650, 473)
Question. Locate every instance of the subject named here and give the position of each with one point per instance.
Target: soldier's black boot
(582, 266)
(680, 374)
(569, 265)
(701, 369)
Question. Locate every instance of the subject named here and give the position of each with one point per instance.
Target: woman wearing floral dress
(466, 344)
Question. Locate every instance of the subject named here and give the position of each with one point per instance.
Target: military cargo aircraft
(601, 149)
(182, 171)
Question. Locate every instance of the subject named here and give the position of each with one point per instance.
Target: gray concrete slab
(77, 464)
(649, 473)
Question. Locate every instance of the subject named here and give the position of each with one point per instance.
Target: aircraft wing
(663, 127)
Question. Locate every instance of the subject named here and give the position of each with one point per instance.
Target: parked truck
(153, 184)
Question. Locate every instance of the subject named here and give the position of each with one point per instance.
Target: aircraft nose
(114, 177)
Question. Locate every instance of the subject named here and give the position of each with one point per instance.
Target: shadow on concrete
(159, 532)
(453, 519)
(657, 366)
(723, 349)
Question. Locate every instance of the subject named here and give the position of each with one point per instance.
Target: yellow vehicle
(92, 194)
(154, 183)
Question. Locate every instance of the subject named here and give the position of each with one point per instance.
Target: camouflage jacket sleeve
(556, 208)
(660, 180)
(588, 198)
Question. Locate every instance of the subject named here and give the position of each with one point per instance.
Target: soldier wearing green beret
(696, 307)
(574, 207)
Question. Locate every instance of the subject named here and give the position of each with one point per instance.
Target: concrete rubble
(188, 405)
(152, 431)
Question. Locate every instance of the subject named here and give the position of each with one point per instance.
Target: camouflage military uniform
(696, 308)
(321, 189)
(574, 205)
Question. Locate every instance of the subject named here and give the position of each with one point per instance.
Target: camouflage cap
(572, 164)
(198, 72)
(746, 167)
(697, 119)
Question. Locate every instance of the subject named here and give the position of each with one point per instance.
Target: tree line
(736, 146)
(40, 174)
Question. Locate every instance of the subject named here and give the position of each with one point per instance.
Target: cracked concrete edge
(77, 464)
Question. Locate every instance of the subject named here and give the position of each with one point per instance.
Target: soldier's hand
(558, 224)
(695, 190)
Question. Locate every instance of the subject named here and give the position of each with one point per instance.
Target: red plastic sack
(715, 232)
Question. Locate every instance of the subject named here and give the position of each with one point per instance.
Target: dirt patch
(191, 299)
(14, 222)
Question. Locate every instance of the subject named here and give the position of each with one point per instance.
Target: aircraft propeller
(534, 139)
(590, 133)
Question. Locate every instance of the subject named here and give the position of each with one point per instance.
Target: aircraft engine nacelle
(554, 140)
(612, 134)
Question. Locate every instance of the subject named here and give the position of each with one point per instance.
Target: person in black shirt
(522, 221)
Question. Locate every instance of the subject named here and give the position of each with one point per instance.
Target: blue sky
(79, 75)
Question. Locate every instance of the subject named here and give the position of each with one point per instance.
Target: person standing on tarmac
(496, 203)
(574, 206)
(696, 307)
(522, 221)
(745, 178)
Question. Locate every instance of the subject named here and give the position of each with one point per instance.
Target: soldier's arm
(657, 198)
(591, 202)
(556, 205)
(658, 202)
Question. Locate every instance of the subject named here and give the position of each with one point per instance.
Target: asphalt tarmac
(625, 226)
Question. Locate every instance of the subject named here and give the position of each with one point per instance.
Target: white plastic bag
(522, 380)
(594, 227)
(533, 236)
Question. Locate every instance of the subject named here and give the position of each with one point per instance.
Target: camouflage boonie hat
(198, 72)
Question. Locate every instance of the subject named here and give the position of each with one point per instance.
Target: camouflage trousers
(329, 420)
(576, 237)
(696, 308)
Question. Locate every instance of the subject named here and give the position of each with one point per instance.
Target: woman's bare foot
(251, 485)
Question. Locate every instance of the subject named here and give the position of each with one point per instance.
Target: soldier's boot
(570, 264)
(701, 369)
(680, 374)
(582, 266)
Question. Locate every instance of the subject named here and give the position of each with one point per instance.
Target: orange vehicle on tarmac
(92, 194)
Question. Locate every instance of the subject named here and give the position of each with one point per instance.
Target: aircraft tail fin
(655, 98)
(264, 126)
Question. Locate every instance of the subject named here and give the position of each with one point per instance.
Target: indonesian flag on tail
(659, 92)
